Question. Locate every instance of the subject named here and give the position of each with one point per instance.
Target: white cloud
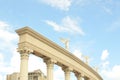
(3, 25)
(7, 39)
(58, 74)
(78, 54)
(1, 59)
(105, 64)
(107, 72)
(8, 36)
(114, 26)
(15, 61)
(104, 55)
(113, 74)
(36, 63)
(1, 78)
(61, 4)
(83, 2)
(55, 26)
(107, 10)
(67, 25)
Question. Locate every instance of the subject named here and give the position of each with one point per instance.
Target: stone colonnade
(50, 66)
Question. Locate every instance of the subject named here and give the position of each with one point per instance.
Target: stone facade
(36, 75)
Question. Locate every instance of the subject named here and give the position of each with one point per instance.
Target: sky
(92, 27)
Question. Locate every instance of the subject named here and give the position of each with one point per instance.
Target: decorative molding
(50, 62)
(77, 74)
(24, 50)
(67, 69)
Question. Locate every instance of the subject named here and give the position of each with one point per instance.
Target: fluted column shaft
(24, 63)
(50, 65)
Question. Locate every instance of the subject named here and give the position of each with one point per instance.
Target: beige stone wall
(16, 76)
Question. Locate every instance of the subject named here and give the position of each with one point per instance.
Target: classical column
(67, 73)
(24, 52)
(79, 76)
(50, 65)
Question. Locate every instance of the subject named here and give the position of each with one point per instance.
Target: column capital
(77, 74)
(86, 78)
(49, 61)
(67, 69)
(24, 50)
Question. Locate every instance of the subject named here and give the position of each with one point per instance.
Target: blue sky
(92, 26)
